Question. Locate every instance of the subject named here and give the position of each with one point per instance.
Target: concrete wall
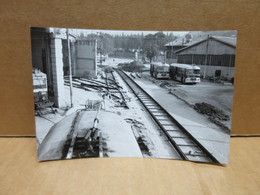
(226, 72)
(86, 53)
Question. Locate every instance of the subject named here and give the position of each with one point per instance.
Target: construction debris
(211, 111)
(107, 85)
(215, 115)
(135, 66)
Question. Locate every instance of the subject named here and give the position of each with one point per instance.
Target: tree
(154, 44)
(150, 53)
(150, 46)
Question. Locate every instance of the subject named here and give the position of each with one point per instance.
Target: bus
(160, 70)
(185, 73)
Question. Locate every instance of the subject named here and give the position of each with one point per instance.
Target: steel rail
(119, 88)
(184, 143)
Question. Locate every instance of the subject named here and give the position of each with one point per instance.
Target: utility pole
(70, 72)
(101, 47)
(206, 57)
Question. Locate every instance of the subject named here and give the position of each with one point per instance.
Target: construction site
(94, 105)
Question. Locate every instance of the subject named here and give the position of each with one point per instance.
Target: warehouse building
(215, 55)
(173, 46)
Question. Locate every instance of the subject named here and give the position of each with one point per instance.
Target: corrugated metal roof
(226, 40)
(229, 40)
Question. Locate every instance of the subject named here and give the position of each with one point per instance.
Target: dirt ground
(217, 96)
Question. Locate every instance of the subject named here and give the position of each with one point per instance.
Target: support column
(57, 72)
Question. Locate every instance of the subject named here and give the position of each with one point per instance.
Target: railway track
(110, 78)
(184, 143)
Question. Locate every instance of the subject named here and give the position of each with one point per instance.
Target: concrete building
(215, 56)
(85, 62)
(50, 56)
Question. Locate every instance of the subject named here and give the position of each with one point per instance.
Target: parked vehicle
(159, 70)
(185, 73)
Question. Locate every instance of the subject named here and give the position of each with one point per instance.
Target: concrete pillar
(57, 72)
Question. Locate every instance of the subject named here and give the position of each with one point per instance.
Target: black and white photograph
(139, 94)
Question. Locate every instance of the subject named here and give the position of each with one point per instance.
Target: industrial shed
(174, 46)
(215, 56)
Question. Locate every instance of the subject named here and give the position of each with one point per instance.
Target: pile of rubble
(165, 84)
(162, 84)
(211, 111)
(135, 66)
(215, 115)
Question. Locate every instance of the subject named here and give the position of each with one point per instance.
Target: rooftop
(231, 41)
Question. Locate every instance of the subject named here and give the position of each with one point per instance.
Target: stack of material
(112, 88)
(91, 85)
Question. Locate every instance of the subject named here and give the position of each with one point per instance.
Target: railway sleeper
(186, 138)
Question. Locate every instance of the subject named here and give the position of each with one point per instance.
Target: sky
(129, 32)
(117, 32)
